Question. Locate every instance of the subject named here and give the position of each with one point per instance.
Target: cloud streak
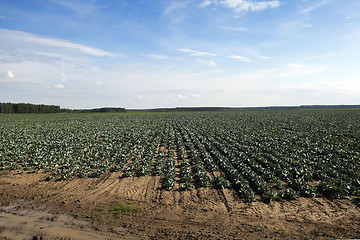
(59, 86)
(23, 39)
(243, 6)
(315, 6)
(156, 56)
(196, 53)
(240, 58)
(207, 63)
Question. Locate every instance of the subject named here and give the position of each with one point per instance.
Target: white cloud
(181, 96)
(245, 5)
(140, 97)
(60, 86)
(23, 40)
(205, 4)
(207, 63)
(10, 74)
(196, 53)
(73, 46)
(240, 58)
(7, 76)
(156, 56)
(4, 17)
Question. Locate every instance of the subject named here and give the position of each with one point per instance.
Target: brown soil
(81, 209)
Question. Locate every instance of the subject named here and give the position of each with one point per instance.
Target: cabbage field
(267, 155)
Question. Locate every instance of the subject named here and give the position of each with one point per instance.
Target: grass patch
(97, 216)
(120, 208)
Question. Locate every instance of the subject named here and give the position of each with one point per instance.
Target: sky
(174, 53)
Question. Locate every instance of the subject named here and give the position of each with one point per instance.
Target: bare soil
(32, 208)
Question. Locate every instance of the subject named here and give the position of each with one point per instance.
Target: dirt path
(21, 221)
(82, 209)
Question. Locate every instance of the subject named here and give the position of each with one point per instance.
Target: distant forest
(41, 108)
(105, 109)
(30, 108)
(246, 108)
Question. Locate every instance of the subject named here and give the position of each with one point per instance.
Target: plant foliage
(260, 154)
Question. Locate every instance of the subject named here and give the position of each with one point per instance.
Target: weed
(120, 208)
(97, 216)
(80, 215)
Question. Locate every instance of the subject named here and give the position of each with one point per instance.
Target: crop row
(269, 155)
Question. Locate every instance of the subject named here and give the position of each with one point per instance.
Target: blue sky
(168, 53)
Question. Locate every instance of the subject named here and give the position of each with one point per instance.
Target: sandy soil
(82, 209)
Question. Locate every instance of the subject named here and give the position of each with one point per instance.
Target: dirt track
(80, 209)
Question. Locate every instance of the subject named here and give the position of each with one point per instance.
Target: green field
(267, 155)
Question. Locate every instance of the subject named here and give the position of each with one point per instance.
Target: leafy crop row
(269, 155)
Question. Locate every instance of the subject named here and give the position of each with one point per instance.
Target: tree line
(42, 108)
(301, 107)
(104, 109)
(30, 108)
